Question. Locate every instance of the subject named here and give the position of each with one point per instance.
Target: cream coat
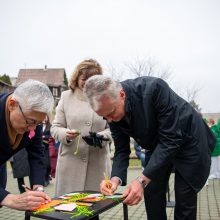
(83, 171)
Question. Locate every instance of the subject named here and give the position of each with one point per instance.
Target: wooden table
(99, 207)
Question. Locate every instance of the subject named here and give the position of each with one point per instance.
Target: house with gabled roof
(55, 79)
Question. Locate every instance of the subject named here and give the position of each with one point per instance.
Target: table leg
(27, 217)
(125, 211)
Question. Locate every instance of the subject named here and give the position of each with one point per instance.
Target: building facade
(53, 78)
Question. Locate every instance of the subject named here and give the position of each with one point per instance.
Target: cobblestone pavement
(208, 202)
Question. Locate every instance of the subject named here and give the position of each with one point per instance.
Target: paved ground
(208, 202)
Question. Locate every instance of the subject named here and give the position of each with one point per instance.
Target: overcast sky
(183, 35)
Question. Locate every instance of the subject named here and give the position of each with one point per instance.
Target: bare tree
(147, 67)
(141, 67)
(116, 74)
(191, 96)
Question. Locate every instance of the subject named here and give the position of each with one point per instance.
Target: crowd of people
(96, 110)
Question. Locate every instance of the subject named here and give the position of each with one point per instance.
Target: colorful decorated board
(76, 204)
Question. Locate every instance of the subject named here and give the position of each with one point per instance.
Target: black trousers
(20, 183)
(3, 176)
(155, 197)
(47, 162)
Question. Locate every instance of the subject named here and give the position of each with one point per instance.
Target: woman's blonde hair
(87, 68)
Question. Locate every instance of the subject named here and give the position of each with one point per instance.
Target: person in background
(211, 122)
(21, 114)
(81, 162)
(150, 112)
(140, 153)
(74, 118)
(21, 168)
(45, 136)
(53, 147)
(215, 165)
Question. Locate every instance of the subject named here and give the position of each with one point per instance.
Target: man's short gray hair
(33, 95)
(99, 86)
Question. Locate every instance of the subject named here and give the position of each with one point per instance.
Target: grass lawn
(134, 163)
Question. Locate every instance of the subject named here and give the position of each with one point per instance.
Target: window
(55, 92)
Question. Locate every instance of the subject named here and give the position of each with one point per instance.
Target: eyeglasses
(29, 122)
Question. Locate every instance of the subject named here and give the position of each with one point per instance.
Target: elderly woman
(21, 114)
(81, 161)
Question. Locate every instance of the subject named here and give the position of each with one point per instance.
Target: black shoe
(46, 183)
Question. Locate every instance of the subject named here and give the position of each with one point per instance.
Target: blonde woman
(81, 163)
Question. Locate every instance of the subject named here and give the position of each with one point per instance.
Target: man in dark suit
(21, 115)
(147, 110)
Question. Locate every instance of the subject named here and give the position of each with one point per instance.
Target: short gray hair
(33, 95)
(99, 86)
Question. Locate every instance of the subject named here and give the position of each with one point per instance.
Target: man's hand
(134, 192)
(26, 201)
(109, 188)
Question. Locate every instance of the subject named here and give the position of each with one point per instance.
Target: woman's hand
(26, 201)
(71, 134)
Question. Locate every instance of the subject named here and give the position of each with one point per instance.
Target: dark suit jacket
(33, 146)
(21, 166)
(162, 122)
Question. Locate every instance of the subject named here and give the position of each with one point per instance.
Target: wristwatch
(141, 181)
(39, 189)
